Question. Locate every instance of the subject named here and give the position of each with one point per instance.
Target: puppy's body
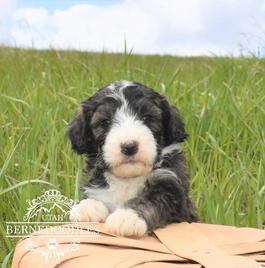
(131, 135)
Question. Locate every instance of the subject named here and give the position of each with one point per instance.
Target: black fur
(165, 197)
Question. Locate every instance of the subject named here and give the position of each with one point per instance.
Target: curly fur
(153, 182)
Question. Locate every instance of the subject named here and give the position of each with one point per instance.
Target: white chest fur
(119, 191)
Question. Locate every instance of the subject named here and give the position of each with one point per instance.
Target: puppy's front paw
(89, 210)
(126, 222)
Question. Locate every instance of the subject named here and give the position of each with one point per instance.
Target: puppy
(137, 181)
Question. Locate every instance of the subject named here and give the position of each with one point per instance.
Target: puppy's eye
(147, 118)
(104, 122)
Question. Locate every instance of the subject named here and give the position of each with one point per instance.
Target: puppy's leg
(89, 210)
(164, 200)
(126, 222)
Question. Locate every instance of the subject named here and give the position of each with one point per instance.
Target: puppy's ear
(80, 133)
(174, 128)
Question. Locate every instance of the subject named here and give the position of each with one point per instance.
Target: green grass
(221, 99)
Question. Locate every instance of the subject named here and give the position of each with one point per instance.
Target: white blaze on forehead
(125, 129)
(118, 88)
(125, 83)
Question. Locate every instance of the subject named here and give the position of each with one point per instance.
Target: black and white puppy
(137, 181)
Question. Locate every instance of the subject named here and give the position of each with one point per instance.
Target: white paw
(126, 222)
(89, 210)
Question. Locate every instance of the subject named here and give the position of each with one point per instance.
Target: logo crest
(47, 203)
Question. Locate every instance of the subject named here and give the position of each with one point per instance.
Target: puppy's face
(128, 124)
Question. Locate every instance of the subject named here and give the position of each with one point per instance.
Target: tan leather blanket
(178, 245)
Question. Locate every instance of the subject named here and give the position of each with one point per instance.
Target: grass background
(221, 99)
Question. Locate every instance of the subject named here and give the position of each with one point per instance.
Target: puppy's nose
(129, 148)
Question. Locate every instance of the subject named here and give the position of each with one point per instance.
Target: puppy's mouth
(130, 168)
(131, 161)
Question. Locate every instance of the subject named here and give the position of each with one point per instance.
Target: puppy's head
(128, 124)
